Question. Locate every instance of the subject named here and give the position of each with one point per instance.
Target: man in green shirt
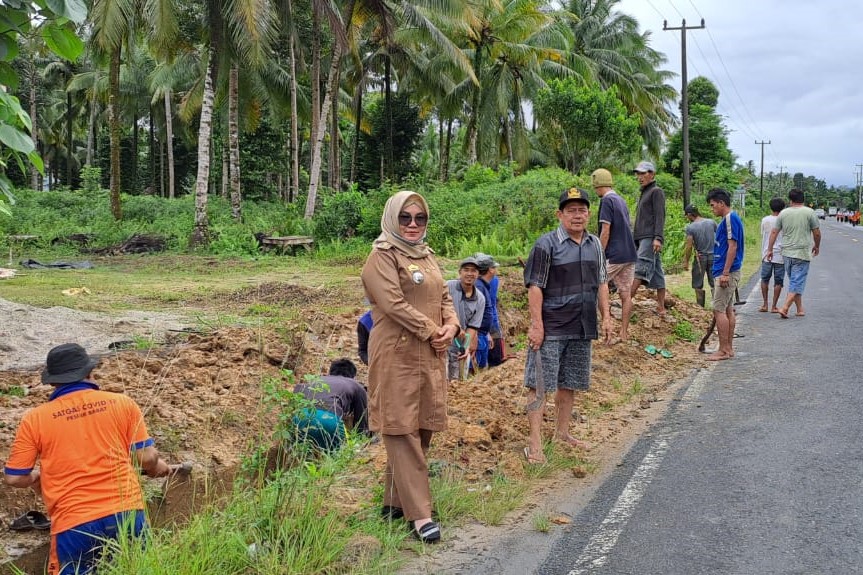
(797, 223)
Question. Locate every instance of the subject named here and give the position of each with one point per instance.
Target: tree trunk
(234, 138)
(114, 124)
(335, 165)
(69, 142)
(162, 170)
(317, 145)
(132, 185)
(316, 74)
(169, 136)
(151, 143)
(34, 132)
(201, 233)
(440, 148)
(295, 138)
(226, 172)
(447, 149)
(388, 100)
(358, 114)
(91, 128)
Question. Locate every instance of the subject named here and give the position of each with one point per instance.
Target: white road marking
(596, 552)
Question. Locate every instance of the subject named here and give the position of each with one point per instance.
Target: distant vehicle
(831, 211)
(820, 213)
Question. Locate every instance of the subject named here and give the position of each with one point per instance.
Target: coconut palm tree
(511, 44)
(114, 27)
(609, 49)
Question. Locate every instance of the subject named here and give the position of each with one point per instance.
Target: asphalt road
(757, 468)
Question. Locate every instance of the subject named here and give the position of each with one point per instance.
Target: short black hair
(344, 368)
(777, 204)
(692, 211)
(719, 195)
(797, 196)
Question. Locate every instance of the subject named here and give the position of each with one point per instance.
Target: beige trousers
(406, 479)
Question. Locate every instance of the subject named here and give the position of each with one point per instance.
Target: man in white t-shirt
(775, 268)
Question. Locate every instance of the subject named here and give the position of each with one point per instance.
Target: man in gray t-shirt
(700, 236)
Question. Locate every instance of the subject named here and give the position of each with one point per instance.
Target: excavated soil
(201, 391)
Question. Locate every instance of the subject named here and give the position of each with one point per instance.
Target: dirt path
(27, 332)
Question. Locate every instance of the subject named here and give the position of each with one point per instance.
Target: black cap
(67, 363)
(573, 194)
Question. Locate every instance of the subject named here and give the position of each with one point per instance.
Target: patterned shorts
(565, 364)
(622, 275)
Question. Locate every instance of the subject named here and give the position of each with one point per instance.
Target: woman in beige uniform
(414, 325)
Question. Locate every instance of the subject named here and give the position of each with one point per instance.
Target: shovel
(540, 383)
(464, 364)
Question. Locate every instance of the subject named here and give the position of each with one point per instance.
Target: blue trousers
(78, 549)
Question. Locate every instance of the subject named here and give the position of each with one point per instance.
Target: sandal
(665, 353)
(651, 349)
(428, 533)
(389, 512)
(533, 459)
(31, 520)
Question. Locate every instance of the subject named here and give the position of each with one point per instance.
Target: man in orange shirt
(85, 440)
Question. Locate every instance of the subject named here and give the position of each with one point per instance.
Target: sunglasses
(420, 220)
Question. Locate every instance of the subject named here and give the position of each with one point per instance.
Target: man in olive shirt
(797, 223)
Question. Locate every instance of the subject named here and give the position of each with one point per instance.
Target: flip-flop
(800, 314)
(763, 308)
(783, 314)
(31, 520)
(651, 349)
(531, 460)
(665, 353)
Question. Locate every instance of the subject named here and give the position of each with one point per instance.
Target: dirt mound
(281, 293)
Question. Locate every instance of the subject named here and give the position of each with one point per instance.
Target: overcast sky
(788, 71)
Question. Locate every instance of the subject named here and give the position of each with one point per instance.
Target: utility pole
(859, 182)
(781, 179)
(684, 103)
(761, 195)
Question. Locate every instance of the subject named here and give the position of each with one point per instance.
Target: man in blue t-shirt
(727, 261)
(616, 238)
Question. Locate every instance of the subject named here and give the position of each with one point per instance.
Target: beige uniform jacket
(407, 379)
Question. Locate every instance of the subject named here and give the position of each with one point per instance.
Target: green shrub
(91, 179)
(340, 216)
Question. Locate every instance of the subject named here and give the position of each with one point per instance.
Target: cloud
(785, 73)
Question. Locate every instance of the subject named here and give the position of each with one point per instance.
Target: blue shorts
(797, 271)
(773, 269)
(481, 354)
(324, 429)
(648, 267)
(78, 549)
(565, 365)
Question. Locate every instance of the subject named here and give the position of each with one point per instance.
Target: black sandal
(31, 520)
(389, 512)
(428, 533)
